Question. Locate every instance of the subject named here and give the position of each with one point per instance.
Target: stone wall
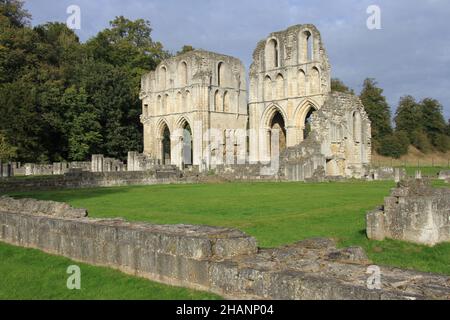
(387, 173)
(444, 175)
(222, 261)
(81, 179)
(414, 212)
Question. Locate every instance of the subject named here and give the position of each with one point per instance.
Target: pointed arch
(272, 53)
(163, 77)
(305, 46)
(302, 110)
(226, 102)
(301, 81)
(315, 83)
(279, 86)
(217, 101)
(267, 88)
(183, 74)
(269, 113)
(357, 126)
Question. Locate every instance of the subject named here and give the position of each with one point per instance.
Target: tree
(83, 131)
(13, 11)
(394, 145)
(7, 151)
(378, 111)
(408, 117)
(186, 49)
(433, 123)
(338, 86)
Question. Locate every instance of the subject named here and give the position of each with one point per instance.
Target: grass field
(31, 274)
(274, 213)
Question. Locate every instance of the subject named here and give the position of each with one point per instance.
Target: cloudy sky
(409, 55)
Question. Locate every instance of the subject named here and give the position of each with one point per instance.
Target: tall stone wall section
(414, 212)
(222, 261)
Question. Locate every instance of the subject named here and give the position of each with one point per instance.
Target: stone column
(132, 162)
(97, 163)
(418, 174)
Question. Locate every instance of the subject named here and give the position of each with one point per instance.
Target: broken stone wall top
(414, 212)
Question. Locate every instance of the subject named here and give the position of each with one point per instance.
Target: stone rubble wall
(82, 179)
(219, 260)
(414, 212)
(444, 175)
(387, 173)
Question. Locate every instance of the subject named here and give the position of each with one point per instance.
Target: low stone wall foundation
(219, 260)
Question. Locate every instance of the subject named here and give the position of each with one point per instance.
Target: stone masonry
(219, 260)
(414, 212)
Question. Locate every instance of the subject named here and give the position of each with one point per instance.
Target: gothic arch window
(315, 81)
(159, 103)
(165, 104)
(301, 83)
(221, 74)
(183, 74)
(267, 88)
(163, 78)
(280, 86)
(306, 46)
(188, 102)
(217, 101)
(226, 102)
(357, 127)
(272, 54)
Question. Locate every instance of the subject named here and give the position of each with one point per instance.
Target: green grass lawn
(426, 171)
(274, 213)
(31, 274)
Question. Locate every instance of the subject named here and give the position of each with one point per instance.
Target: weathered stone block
(414, 212)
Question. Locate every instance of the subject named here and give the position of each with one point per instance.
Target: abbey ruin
(197, 111)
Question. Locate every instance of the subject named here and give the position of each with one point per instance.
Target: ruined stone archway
(165, 145)
(277, 126)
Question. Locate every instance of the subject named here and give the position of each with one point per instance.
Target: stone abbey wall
(219, 260)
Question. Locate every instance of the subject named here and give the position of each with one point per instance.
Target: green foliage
(379, 114)
(338, 85)
(433, 121)
(394, 145)
(275, 214)
(63, 100)
(7, 152)
(185, 49)
(15, 13)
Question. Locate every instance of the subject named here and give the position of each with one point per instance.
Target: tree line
(415, 123)
(61, 99)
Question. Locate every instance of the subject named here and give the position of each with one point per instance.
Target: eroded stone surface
(219, 260)
(414, 212)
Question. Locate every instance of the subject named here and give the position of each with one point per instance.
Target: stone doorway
(166, 146)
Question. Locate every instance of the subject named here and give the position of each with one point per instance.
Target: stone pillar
(397, 174)
(97, 163)
(132, 162)
(419, 175)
